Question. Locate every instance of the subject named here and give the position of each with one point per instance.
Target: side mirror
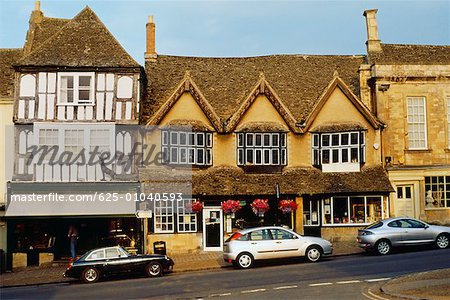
(426, 226)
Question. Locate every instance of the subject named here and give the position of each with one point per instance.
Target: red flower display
(230, 206)
(287, 206)
(197, 206)
(260, 206)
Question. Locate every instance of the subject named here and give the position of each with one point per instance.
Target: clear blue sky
(245, 28)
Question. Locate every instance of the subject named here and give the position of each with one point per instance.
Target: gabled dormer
(75, 70)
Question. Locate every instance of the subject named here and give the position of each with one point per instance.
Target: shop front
(41, 215)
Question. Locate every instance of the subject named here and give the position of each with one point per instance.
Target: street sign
(143, 214)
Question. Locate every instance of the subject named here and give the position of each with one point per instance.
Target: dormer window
(186, 148)
(76, 88)
(338, 151)
(261, 149)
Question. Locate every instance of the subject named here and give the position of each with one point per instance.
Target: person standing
(73, 236)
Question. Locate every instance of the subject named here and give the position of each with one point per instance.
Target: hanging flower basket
(230, 206)
(260, 206)
(197, 206)
(287, 206)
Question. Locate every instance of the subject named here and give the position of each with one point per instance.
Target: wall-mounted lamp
(387, 160)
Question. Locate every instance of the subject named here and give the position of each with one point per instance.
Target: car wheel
(154, 269)
(442, 241)
(383, 247)
(90, 275)
(245, 260)
(313, 253)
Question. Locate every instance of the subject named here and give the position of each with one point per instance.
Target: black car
(108, 261)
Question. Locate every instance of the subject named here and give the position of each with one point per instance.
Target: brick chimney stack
(373, 43)
(37, 15)
(35, 21)
(150, 51)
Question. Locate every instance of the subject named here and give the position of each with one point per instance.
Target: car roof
(247, 230)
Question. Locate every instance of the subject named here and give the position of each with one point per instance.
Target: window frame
(190, 147)
(349, 224)
(76, 89)
(433, 181)
(182, 213)
(164, 211)
(416, 123)
(267, 151)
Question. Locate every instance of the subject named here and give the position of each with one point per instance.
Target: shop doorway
(311, 217)
(212, 229)
(404, 206)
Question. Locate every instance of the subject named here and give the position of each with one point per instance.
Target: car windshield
(375, 225)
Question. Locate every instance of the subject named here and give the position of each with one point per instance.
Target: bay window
(267, 149)
(339, 152)
(186, 148)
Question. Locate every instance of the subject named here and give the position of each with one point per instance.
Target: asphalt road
(334, 278)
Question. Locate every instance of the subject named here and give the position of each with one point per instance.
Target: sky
(244, 28)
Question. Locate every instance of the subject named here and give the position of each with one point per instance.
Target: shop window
(417, 123)
(437, 191)
(339, 152)
(187, 221)
(186, 148)
(164, 216)
(265, 149)
(310, 212)
(352, 210)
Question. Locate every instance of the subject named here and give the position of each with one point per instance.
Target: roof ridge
(417, 45)
(10, 49)
(268, 55)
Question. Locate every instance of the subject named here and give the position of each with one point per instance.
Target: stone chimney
(150, 51)
(35, 20)
(373, 43)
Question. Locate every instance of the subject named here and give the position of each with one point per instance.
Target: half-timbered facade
(76, 107)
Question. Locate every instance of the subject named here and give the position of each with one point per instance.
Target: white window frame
(331, 199)
(192, 146)
(248, 150)
(164, 209)
(182, 214)
(412, 122)
(76, 88)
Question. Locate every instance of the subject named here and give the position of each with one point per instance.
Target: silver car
(394, 232)
(246, 246)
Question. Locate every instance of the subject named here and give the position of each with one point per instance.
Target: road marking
(320, 284)
(253, 291)
(373, 296)
(377, 279)
(285, 287)
(220, 295)
(349, 281)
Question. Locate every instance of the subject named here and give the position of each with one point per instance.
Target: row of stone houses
(351, 139)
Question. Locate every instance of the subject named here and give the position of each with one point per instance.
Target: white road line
(349, 281)
(320, 284)
(220, 295)
(253, 291)
(285, 287)
(377, 279)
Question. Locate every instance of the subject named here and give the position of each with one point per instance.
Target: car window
(394, 224)
(260, 235)
(400, 224)
(112, 253)
(376, 225)
(97, 254)
(278, 234)
(415, 224)
(244, 237)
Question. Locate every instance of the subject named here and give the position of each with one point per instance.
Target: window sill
(418, 150)
(75, 104)
(436, 208)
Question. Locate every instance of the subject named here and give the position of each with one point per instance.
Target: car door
(286, 244)
(115, 264)
(417, 233)
(395, 231)
(261, 244)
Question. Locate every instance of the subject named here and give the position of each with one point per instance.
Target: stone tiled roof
(224, 181)
(82, 41)
(7, 58)
(299, 80)
(337, 127)
(46, 29)
(397, 54)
